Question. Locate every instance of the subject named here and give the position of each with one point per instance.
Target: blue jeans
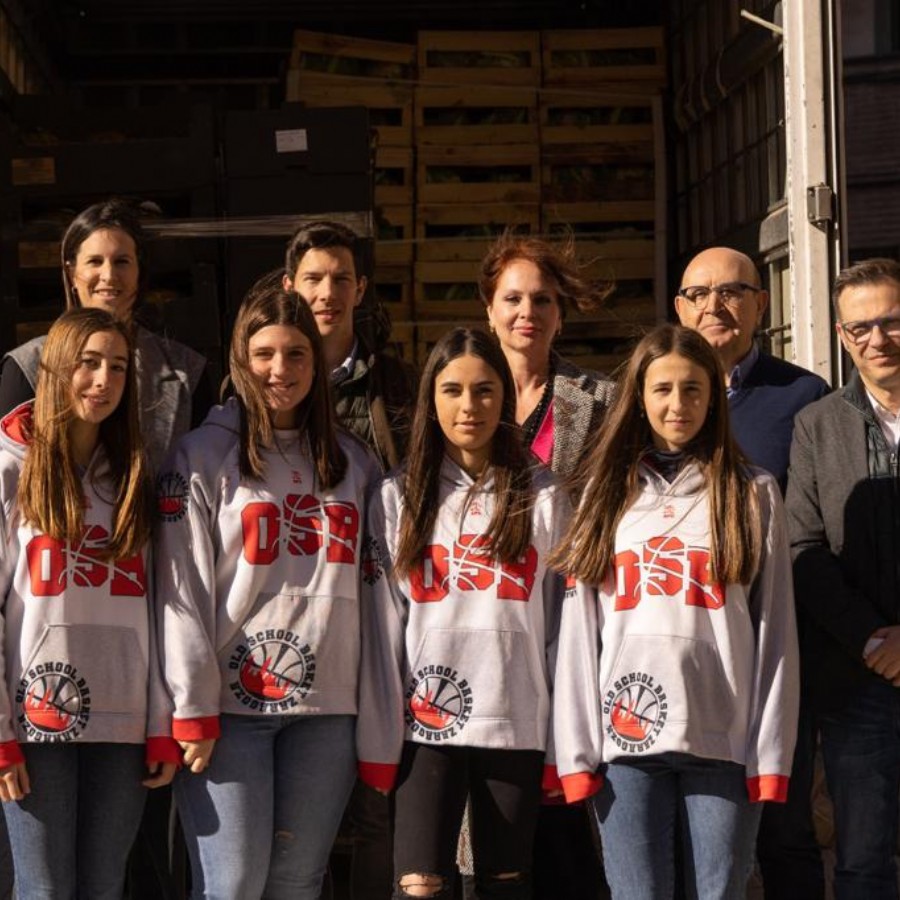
(260, 821)
(636, 811)
(861, 752)
(71, 835)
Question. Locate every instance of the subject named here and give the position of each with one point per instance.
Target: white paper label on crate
(291, 141)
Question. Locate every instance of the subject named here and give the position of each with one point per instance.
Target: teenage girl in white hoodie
(459, 613)
(83, 708)
(680, 675)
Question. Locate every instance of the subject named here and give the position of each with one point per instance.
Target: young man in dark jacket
(374, 396)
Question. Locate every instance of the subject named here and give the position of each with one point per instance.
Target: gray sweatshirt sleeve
(186, 594)
(380, 725)
(773, 716)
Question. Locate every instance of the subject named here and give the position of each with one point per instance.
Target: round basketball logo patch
(274, 670)
(635, 710)
(438, 703)
(172, 496)
(54, 703)
(370, 565)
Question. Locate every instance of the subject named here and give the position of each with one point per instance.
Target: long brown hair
(611, 471)
(268, 303)
(509, 531)
(50, 494)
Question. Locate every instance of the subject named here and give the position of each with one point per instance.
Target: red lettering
(129, 578)
(259, 523)
(343, 531)
(663, 566)
(628, 580)
(87, 569)
(517, 579)
(305, 534)
(303, 520)
(668, 569)
(473, 567)
(46, 566)
(428, 581)
(701, 591)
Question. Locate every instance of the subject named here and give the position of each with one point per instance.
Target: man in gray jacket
(843, 506)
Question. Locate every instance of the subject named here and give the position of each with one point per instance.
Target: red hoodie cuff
(773, 788)
(10, 754)
(550, 780)
(196, 729)
(164, 750)
(380, 776)
(581, 785)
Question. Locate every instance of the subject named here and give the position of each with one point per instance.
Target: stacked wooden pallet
(477, 162)
(332, 70)
(601, 169)
(551, 132)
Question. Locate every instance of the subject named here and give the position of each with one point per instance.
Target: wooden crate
(488, 115)
(589, 117)
(480, 57)
(456, 232)
(324, 55)
(621, 218)
(394, 288)
(403, 341)
(394, 235)
(603, 172)
(394, 176)
(508, 173)
(390, 103)
(39, 254)
(634, 56)
(447, 290)
(617, 260)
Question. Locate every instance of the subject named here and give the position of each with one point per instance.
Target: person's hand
(14, 783)
(197, 753)
(884, 660)
(160, 774)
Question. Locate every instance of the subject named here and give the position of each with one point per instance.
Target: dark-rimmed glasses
(731, 293)
(861, 331)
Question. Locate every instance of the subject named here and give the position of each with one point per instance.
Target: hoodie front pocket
(462, 673)
(79, 671)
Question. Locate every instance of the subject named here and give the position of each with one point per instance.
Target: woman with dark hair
(83, 705)
(680, 675)
(459, 612)
(527, 285)
(257, 562)
(104, 266)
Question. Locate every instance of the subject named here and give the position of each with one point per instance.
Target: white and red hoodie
(258, 582)
(460, 652)
(79, 653)
(677, 663)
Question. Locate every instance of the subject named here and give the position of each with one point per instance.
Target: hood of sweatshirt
(226, 416)
(15, 429)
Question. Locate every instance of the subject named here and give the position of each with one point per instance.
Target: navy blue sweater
(763, 410)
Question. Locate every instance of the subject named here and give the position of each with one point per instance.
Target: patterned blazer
(580, 401)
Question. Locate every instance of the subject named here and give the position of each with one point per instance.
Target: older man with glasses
(843, 506)
(722, 297)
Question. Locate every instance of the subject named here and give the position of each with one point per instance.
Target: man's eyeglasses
(859, 332)
(731, 294)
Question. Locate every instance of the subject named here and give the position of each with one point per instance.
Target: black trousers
(505, 791)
